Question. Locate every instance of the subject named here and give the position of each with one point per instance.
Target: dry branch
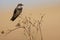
(27, 24)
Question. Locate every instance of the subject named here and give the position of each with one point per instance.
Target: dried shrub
(28, 23)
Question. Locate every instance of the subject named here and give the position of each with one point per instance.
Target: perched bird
(17, 11)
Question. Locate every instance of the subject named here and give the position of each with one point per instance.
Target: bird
(17, 11)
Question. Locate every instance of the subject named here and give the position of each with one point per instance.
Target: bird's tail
(13, 18)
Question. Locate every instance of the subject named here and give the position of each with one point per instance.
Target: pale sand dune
(50, 25)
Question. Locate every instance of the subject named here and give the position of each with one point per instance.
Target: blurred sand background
(50, 24)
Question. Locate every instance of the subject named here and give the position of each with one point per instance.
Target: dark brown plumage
(17, 11)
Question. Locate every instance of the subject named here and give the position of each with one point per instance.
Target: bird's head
(19, 5)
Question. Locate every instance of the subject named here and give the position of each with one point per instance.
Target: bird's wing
(15, 11)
